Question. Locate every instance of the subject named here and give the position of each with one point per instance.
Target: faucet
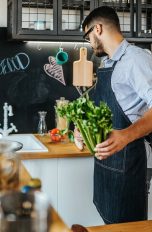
(7, 112)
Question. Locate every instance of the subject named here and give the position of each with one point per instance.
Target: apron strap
(149, 139)
(114, 64)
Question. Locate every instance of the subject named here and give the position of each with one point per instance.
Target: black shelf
(59, 21)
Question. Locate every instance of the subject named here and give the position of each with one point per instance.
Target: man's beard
(100, 53)
(98, 48)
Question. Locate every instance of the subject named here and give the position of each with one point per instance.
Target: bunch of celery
(93, 122)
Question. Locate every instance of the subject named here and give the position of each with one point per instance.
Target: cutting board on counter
(82, 70)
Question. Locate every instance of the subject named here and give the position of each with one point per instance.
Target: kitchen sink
(29, 141)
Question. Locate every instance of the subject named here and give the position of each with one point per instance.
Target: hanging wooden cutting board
(82, 70)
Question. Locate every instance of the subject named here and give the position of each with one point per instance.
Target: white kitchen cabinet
(68, 183)
(75, 192)
(46, 170)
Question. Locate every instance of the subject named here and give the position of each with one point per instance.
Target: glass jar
(42, 127)
(61, 122)
(9, 165)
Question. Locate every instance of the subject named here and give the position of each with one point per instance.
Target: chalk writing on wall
(19, 62)
(54, 70)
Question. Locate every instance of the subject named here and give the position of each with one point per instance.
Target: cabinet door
(71, 15)
(75, 192)
(125, 11)
(144, 18)
(34, 19)
(47, 171)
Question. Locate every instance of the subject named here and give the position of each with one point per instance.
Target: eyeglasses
(86, 35)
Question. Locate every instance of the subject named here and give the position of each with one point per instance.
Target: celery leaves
(94, 122)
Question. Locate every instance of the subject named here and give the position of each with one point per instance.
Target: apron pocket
(116, 162)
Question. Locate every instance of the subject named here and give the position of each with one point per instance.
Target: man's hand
(116, 141)
(78, 135)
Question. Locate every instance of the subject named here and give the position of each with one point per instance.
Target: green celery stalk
(90, 137)
(104, 134)
(99, 137)
(84, 136)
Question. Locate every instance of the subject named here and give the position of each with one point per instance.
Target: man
(125, 84)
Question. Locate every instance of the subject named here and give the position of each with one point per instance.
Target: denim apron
(120, 180)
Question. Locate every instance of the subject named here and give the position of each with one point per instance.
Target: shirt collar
(118, 52)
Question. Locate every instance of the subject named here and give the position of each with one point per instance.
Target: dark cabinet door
(144, 18)
(58, 20)
(71, 15)
(32, 19)
(125, 11)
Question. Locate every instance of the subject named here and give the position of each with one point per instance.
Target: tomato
(56, 137)
(55, 131)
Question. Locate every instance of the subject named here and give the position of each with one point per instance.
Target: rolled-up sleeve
(141, 76)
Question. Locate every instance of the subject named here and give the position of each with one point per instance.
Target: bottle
(42, 127)
(33, 185)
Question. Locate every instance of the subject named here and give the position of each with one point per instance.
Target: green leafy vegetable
(69, 133)
(94, 122)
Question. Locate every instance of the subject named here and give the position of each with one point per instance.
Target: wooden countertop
(142, 226)
(55, 150)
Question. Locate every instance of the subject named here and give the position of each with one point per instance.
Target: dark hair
(103, 13)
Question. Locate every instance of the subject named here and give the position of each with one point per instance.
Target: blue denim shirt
(132, 79)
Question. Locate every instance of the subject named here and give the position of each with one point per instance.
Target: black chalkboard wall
(30, 83)
(28, 86)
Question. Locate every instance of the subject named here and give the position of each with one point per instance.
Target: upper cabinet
(31, 19)
(61, 20)
(135, 18)
(144, 18)
(71, 15)
(125, 11)
(57, 20)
